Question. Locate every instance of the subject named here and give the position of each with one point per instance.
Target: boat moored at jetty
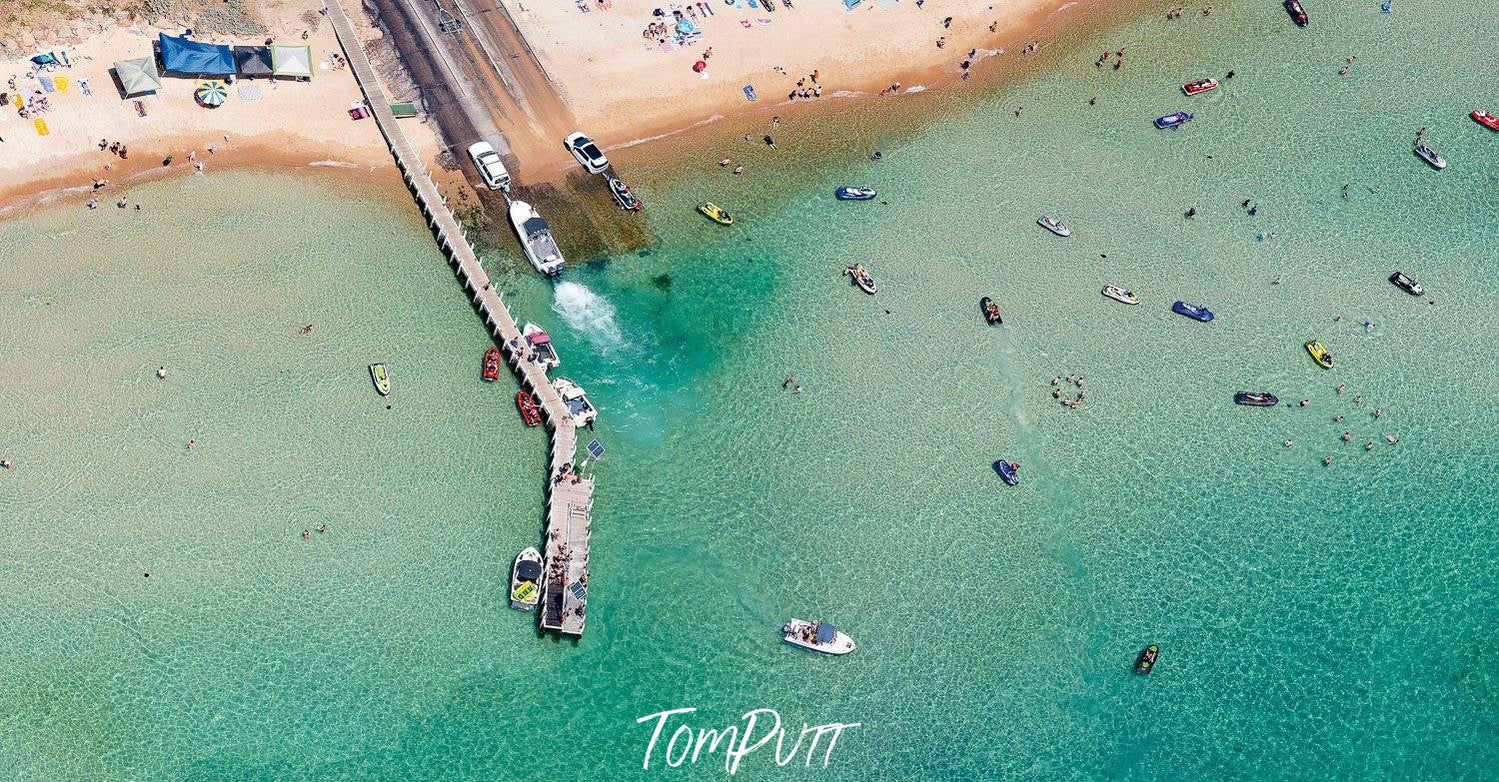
(855, 193)
(1318, 352)
(1255, 399)
(990, 311)
(541, 345)
(1176, 120)
(861, 276)
(1485, 118)
(817, 635)
(1200, 86)
(1298, 14)
(1192, 311)
(1121, 295)
(381, 378)
(1430, 156)
(577, 402)
(530, 412)
(491, 370)
(1009, 471)
(536, 239)
(525, 580)
(1054, 225)
(1145, 663)
(1407, 284)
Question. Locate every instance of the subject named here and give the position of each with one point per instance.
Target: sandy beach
(619, 77)
(624, 82)
(290, 124)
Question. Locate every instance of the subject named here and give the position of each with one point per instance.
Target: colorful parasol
(211, 93)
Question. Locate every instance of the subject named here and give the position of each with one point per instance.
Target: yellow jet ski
(715, 213)
(1319, 353)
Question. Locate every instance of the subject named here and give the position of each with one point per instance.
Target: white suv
(490, 166)
(587, 153)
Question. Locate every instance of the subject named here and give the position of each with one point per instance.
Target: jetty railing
(569, 495)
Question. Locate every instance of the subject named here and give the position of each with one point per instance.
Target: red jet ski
(1201, 85)
(491, 365)
(1486, 119)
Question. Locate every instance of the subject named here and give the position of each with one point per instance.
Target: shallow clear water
(1315, 621)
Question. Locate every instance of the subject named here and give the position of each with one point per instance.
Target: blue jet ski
(855, 193)
(1009, 472)
(1176, 120)
(1192, 311)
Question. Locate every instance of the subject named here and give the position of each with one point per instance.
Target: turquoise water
(1315, 622)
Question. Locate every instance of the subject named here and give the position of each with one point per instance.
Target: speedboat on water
(525, 580)
(1298, 14)
(1119, 294)
(715, 213)
(990, 311)
(1192, 311)
(1009, 472)
(1176, 120)
(1200, 86)
(1486, 118)
(541, 345)
(577, 402)
(1256, 399)
(491, 369)
(855, 193)
(536, 238)
(1318, 352)
(381, 378)
(862, 277)
(1407, 284)
(817, 635)
(1145, 663)
(621, 194)
(1054, 225)
(1430, 156)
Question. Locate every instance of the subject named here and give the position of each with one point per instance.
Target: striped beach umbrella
(211, 93)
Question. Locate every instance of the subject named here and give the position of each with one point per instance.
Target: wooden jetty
(570, 499)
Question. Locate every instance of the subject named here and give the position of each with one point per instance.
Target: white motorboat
(525, 580)
(817, 635)
(577, 402)
(541, 345)
(1430, 156)
(1054, 225)
(536, 238)
(1119, 294)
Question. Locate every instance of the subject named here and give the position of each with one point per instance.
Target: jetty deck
(570, 499)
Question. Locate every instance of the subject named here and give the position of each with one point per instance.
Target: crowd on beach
(121, 151)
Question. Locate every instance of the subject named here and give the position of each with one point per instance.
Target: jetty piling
(569, 505)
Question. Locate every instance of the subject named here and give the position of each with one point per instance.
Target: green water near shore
(1316, 622)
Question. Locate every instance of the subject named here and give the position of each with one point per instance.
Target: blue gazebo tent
(184, 55)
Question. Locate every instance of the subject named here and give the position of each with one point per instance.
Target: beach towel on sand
(41, 127)
(62, 84)
(749, 92)
(47, 84)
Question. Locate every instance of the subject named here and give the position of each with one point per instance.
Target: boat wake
(588, 313)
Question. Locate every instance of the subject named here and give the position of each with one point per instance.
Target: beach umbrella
(211, 93)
